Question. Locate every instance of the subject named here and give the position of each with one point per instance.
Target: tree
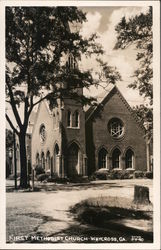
(145, 115)
(37, 38)
(138, 31)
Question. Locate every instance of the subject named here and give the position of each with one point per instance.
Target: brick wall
(97, 133)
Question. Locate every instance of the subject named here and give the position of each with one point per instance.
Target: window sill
(129, 169)
(73, 127)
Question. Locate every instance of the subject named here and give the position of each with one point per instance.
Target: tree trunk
(141, 195)
(23, 161)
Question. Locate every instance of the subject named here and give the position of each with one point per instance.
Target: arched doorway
(116, 158)
(56, 159)
(129, 159)
(73, 160)
(102, 158)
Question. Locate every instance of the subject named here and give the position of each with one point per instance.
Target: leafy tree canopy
(37, 40)
(145, 115)
(138, 31)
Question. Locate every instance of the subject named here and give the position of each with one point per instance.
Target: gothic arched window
(48, 160)
(129, 159)
(43, 160)
(102, 158)
(116, 158)
(76, 119)
(42, 133)
(69, 121)
(37, 159)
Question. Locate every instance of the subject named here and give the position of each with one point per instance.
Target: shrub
(106, 174)
(148, 175)
(116, 174)
(101, 174)
(127, 174)
(48, 172)
(123, 175)
(92, 177)
(39, 170)
(138, 174)
(131, 176)
(42, 177)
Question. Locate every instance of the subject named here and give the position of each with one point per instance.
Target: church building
(69, 140)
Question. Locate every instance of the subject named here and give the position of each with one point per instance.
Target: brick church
(69, 140)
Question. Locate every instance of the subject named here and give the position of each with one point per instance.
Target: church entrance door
(73, 160)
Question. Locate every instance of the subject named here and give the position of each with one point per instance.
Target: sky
(102, 20)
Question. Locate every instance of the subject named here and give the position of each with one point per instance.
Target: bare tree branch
(11, 125)
(13, 105)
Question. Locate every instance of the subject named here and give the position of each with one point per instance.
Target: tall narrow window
(43, 160)
(102, 158)
(42, 132)
(48, 160)
(69, 119)
(56, 159)
(116, 158)
(129, 159)
(76, 119)
(37, 159)
(57, 119)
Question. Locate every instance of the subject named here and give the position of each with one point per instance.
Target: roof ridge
(100, 102)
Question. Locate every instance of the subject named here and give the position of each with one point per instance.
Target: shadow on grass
(41, 187)
(108, 234)
(119, 216)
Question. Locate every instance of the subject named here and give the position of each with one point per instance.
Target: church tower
(71, 150)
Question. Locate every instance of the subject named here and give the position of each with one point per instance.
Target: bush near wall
(138, 174)
(39, 170)
(148, 175)
(106, 174)
(42, 177)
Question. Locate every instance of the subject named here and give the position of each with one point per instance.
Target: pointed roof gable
(102, 101)
(91, 111)
(35, 116)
